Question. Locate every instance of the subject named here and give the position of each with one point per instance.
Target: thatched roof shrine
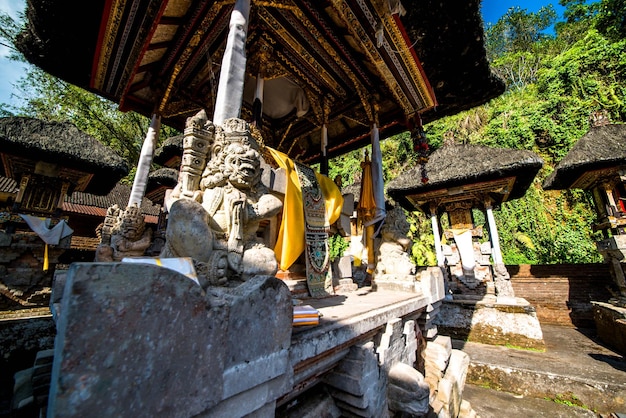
(337, 57)
(159, 181)
(602, 148)
(81, 159)
(461, 170)
(170, 152)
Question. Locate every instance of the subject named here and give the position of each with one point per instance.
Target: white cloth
(233, 71)
(466, 249)
(41, 226)
(183, 265)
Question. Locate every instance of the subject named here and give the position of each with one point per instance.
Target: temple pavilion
(597, 164)
(317, 79)
(457, 180)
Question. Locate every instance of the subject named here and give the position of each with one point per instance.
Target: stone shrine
(597, 164)
(480, 302)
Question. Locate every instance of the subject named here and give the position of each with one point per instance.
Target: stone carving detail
(123, 234)
(216, 208)
(393, 254)
(502, 281)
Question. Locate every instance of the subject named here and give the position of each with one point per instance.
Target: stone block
(445, 394)
(391, 344)
(246, 375)
(430, 332)
(437, 354)
(453, 382)
(128, 336)
(363, 392)
(5, 239)
(344, 267)
(277, 180)
(432, 284)
(343, 225)
(444, 341)
(407, 391)
(466, 410)
(261, 316)
(348, 204)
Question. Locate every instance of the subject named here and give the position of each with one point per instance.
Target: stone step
(574, 368)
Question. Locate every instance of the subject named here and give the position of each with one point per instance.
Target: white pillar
(493, 234)
(438, 250)
(233, 71)
(145, 160)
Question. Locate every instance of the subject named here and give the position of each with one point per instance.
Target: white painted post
(145, 160)
(438, 250)
(233, 71)
(493, 234)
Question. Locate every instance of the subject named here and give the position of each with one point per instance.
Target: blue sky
(492, 10)
(11, 71)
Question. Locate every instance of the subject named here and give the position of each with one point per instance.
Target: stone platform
(575, 369)
(490, 319)
(137, 331)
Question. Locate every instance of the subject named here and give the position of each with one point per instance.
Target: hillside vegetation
(554, 82)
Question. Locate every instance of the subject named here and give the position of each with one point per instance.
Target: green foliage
(420, 232)
(338, 246)
(611, 19)
(347, 166)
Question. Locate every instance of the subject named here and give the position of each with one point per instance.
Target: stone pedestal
(491, 320)
(611, 324)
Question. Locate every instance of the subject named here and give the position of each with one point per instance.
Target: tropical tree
(49, 98)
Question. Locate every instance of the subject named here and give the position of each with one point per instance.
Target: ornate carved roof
(466, 171)
(344, 61)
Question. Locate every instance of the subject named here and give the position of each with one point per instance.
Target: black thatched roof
(172, 146)
(446, 37)
(167, 177)
(449, 41)
(458, 165)
(62, 144)
(601, 147)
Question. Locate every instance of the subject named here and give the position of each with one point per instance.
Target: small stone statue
(214, 218)
(393, 255)
(123, 234)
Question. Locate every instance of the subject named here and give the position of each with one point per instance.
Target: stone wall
(562, 293)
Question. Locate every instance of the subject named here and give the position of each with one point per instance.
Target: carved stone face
(242, 165)
(132, 227)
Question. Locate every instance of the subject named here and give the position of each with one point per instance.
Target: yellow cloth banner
(290, 242)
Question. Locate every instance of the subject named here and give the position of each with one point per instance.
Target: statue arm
(267, 206)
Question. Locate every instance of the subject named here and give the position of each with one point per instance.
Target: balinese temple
(310, 80)
(456, 180)
(45, 162)
(597, 164)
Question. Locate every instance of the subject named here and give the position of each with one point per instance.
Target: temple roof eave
(458, 80)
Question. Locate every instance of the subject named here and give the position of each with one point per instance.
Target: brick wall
(561, 293)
